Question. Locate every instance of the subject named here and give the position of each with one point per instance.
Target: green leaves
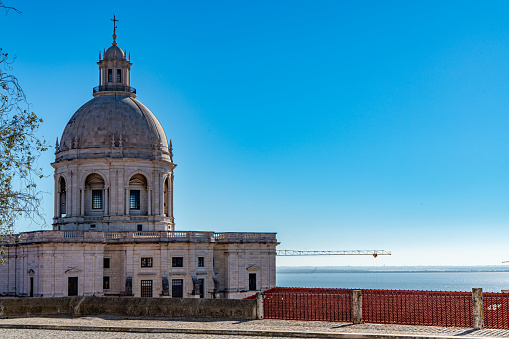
(20, 148)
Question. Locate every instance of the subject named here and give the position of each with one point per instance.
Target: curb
(262, 333)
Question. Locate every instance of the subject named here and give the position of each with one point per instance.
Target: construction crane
(292, 253)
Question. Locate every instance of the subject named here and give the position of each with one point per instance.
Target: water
(432, 281)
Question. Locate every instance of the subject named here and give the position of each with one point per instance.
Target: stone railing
(146, 235)
(74, 234)
(150, 236)
(171, 236)
(61, 236)
(114, 88)
(112, 235)
(245, 237)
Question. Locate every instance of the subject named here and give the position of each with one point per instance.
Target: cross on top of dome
(114, 70)
(114, 30)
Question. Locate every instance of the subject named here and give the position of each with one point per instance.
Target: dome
(114, 53)
(111, 121)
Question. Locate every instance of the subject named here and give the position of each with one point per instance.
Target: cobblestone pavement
(254, 325)
(40, 334)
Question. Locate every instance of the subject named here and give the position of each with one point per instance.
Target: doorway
(146, 288)
(252, 281)
(72, 286)
(177, 288)
(31, 286)
(201, 282)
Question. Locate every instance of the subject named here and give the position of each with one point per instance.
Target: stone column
(106, 201)
(58, 206)
(477, 308)
(156, 198)
(70, 210)
(47, 274)
(59, 282)
(127, 201)
(259, 305)
(82, 212)
(23, 271)
(170, 199)
(357, 307)
(67, 201)
(129, 269)
(56, 195)
(162, 195)
(113, 192)
(119, 195)
(86, 285)
(99, 273)
(149, 201)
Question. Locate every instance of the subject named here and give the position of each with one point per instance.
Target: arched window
(62, 198)
(94, 195)
(138, 204)
(166, 196)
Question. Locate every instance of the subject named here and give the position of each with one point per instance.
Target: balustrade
(245, 237)
(165, 236)
(112, 235)
(114, 88)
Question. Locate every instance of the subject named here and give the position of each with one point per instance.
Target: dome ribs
(110, 120)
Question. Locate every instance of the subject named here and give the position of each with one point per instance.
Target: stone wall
(130, 307)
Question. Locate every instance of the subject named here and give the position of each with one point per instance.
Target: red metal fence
(428, 308)
(308, 304)
(496, 310)
(417, 308)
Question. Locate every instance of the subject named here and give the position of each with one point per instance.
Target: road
(49, 334)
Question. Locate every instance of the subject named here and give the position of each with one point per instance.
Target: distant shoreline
(390, 269)
(363, 272)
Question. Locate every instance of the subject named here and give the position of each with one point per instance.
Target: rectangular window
(139, 228)
(201, 262)
(177, 262)
(134, 201)
(97, 199)
(106, 283)
(106, 262)
(110, 75)
(146, 262)
(252, 281)
(146, 288)
(177, 288)
(119, 75)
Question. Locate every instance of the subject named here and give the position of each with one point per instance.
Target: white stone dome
(111, 121)
(114, 53)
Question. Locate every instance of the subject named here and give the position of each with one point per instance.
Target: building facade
(113, 226)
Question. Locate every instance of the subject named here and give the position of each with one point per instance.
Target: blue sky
(337, 124)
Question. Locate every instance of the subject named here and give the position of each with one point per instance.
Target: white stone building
(113, 230)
